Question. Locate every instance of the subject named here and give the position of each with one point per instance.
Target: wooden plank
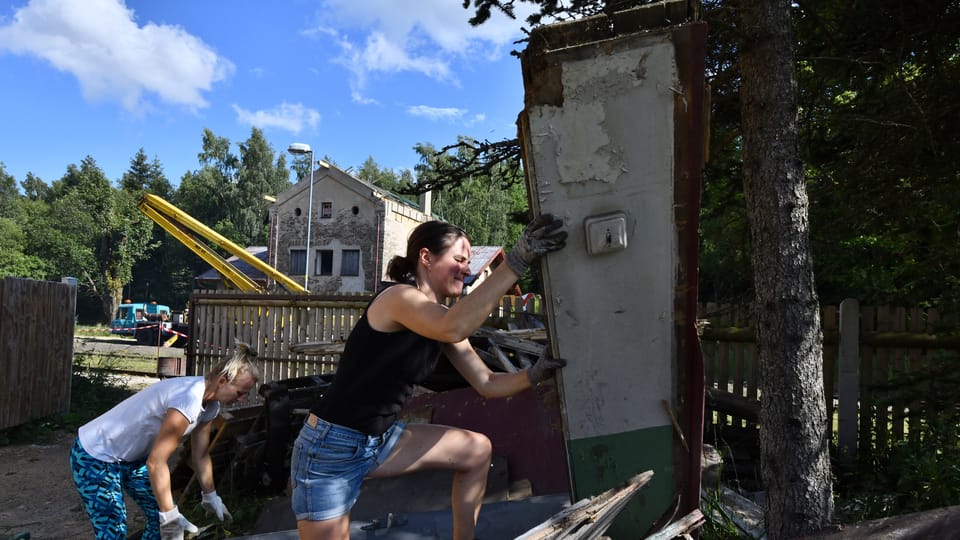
(881, 378)
(36, 344)
(865, 431)
(915, 365)
(588, 518)
(681, 527)
(723, 362)
(829, 319)
(849, 386)
(897, 377)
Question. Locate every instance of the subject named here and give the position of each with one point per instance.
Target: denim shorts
(328, 464)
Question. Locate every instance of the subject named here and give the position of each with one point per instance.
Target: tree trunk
(795, 460)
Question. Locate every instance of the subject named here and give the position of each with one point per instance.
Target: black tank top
(376, 376)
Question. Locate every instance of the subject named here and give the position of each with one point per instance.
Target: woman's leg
(99, 485)
(468, 454)
(137, 483)
(330, 529)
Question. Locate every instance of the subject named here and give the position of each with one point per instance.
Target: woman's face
(229, 393)
(446, 270)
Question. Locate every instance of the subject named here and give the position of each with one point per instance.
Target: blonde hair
(242, 361)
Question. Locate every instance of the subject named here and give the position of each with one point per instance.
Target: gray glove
(544, 366)
(213, 504)
(540, 237)
(173, 525)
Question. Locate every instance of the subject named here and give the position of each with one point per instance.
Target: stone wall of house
(378, 227)
(399, 221)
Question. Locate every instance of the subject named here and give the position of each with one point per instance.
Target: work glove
(544, 366)
(213, 504)
(173, 525)
(540, 237)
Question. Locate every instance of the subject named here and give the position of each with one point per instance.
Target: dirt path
(37, 493)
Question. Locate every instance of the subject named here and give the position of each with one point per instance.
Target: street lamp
(300, 149)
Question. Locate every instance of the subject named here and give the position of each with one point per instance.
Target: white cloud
(436, 113)
(422, 36)
(476, 119)
(292, 117)
(112, 57)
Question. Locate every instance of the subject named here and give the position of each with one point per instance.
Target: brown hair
(436, 236)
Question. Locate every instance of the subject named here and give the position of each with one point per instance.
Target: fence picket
(893, 380)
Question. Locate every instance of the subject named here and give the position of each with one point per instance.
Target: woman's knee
(480, 450)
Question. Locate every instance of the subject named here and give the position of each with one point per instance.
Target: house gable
(355, 229)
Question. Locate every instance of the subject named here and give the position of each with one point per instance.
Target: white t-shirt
(127, 431)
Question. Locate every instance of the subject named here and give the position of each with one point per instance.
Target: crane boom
(185, 228)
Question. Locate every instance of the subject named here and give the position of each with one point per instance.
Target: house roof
(361, 187)
(259, 252)
(481, 257)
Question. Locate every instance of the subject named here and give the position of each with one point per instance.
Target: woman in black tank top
(353, 431)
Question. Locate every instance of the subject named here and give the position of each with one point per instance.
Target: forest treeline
(878, 139)
(86, 226)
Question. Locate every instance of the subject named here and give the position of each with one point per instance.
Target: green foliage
(717, 526)
(483, 204)
(916, 474)
(13, 260)
(382, 177)
(84, 228)
(881, 145)
(486, 197)
(224, 194)
(244, 507)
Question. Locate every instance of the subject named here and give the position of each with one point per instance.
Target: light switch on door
(606, 233)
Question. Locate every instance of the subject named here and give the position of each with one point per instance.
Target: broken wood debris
(524, 344)
(681, 527)
(589, 518)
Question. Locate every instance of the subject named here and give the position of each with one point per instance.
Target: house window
(324, 264)
(350, 262)
(326, 210)
(298, 261)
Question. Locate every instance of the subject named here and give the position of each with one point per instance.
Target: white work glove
(540, 237)
(544, 366)
(213, 504)
(173, 525)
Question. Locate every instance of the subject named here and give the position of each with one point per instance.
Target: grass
(98, 362)
(92, 330)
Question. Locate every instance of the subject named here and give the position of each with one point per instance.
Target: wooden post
(848, 384)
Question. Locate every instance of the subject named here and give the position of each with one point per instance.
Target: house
(355, 228)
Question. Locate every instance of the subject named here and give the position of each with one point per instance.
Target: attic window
(297, 212)
(326, 210)
(355, 210)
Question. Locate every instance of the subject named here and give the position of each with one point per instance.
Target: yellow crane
(186, 229)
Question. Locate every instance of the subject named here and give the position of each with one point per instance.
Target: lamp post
(300, 149)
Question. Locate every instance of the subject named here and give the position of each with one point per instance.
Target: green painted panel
(600, 463)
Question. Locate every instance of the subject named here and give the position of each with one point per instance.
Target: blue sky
(351, 78)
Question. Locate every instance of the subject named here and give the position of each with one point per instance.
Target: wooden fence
(881, 366)
(272, 326)
(36, 349)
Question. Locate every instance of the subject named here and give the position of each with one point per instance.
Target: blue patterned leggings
(101, 486)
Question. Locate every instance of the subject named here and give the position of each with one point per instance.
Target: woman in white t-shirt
(128, 447)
